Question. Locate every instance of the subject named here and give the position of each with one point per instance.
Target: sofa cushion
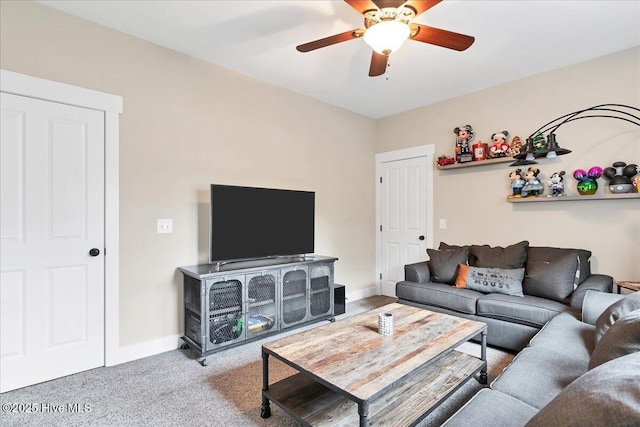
(513, 256)
(537, 375)
(584, 257)
(506, 281)
(492, 408)
(608, 395)
(551, 273)
(566, 334)
(439, 295)
(622, 338)
(527, 310)
(444, 263)
(614, 312)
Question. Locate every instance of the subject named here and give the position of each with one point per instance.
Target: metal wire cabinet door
(224, 298)
(295, 295)
(321, 288)
(262, 303)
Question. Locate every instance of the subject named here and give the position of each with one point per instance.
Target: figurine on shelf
(532, 186)
(445, 160)
(464, 135)
(480, 150)
(587, 184)
(556, 183)
(515, 147)
(620, 175)
(516, 184)
(499, 146)
(539, 142)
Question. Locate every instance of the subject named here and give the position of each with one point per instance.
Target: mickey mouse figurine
(516, 184)
(532, 187)
(499, 148)
(464, 135)
(556, 184)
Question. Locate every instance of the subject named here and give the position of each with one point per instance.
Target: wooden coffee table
(349, 374)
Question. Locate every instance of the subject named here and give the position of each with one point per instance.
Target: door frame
(48, 90)
(426, 151)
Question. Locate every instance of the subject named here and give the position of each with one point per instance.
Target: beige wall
(187, 124)
(472, 200)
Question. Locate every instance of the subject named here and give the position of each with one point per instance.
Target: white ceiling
(514, 39)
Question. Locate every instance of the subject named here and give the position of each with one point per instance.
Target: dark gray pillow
(622, 338)
(444, 264)
(608, 395)
(513, 256)
(614, 312)
(551, 273)
(584, 257)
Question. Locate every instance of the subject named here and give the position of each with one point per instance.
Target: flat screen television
(251, 223)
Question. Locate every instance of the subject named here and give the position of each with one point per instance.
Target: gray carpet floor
(173, 389)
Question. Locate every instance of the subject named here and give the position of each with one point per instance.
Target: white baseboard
(148, 348)
(362, 293)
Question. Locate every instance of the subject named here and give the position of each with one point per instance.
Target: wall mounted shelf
(575, 198)
(476, 163)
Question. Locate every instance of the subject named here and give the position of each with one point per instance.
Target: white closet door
(403, 218)
(52, 215)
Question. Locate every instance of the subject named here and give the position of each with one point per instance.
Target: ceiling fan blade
(328, 41)
(378, 64)
(421, 6)
(444, 38)
(362, 5)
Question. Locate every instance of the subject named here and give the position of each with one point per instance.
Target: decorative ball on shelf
(619, 177)
(587, 184)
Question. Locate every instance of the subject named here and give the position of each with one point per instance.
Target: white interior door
(52, 215)
(403, 218)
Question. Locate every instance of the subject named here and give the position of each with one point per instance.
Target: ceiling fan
(387, 24)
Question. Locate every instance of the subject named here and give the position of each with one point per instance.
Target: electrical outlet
(165, 226)
(443, 223)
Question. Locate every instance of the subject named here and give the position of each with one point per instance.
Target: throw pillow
(584, 256)
(551, 273)
(614, 312)
(444, 264)
(622, 338)
(513, 256)
(491, 280)
(605, 396)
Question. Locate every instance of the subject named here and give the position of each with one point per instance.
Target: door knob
(94, 252)
(421, 238)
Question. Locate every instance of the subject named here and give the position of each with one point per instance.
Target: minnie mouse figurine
(533, 187)
(556, 184)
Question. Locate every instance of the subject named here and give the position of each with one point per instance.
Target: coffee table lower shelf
(406, 404)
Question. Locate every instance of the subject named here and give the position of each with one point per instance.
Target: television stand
(234, 303)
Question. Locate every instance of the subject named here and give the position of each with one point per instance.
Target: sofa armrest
(596, 282)
(595, 303)
(418, 272)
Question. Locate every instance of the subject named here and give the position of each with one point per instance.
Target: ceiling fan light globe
(387, 36)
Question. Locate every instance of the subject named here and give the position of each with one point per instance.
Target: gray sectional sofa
(515, 289)
(573, 373)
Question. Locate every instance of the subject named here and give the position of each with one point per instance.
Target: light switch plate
(443, 224)
(165, 226)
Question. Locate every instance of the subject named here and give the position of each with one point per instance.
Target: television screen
(248, 222)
